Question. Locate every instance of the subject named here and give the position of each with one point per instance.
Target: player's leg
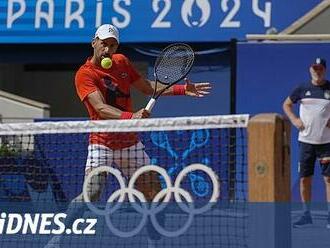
(307, 157)
(324, 158)
(327, 188)
(306, 192)
(129, 160)
(94, 190)
(97, 156)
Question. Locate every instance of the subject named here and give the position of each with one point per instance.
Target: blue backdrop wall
(266, 74)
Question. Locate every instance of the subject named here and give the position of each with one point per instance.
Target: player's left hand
(328, 123)
(197, 89)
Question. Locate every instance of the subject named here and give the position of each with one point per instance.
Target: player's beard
(316, 78)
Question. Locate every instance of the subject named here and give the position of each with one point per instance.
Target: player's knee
(94, 188)
(306, 180)
(149, 185)
(95, 196)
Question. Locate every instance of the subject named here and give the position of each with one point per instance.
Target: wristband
(179, 89)
(126, 115)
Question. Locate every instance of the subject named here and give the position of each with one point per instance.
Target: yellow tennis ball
(106, 63)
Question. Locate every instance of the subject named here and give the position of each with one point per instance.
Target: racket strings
(174, 64)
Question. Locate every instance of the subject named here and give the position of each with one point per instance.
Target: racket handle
(150, 104)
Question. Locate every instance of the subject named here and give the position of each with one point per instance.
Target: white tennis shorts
(127, 160)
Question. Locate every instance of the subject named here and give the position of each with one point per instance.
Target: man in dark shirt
(314, 133)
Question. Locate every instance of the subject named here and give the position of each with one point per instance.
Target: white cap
(107, 31)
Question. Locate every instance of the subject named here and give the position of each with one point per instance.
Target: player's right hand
(142, 113)
(298, 124)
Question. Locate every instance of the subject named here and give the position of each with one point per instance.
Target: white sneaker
(54, 242)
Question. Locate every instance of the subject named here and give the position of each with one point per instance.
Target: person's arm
(288, 110)
(189, 89)
(109, 112)
(147, 87)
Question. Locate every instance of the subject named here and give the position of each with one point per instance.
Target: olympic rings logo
(164, 196)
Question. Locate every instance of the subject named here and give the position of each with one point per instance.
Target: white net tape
(135, 125)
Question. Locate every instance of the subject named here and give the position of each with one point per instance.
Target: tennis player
(106, 95)
(313, 124)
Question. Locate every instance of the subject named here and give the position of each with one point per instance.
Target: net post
(232, 132)
(269, 191)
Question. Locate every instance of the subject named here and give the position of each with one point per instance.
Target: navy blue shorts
(309, 153)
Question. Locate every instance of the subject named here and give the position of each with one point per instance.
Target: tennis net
(168, 182)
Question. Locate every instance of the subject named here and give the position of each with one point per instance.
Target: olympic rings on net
(215, 182)
(188, 223)
(165, 194)
(144, 219)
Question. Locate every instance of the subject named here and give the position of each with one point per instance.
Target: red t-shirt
(114, 85)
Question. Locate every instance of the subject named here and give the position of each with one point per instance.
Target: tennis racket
(172, 65)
